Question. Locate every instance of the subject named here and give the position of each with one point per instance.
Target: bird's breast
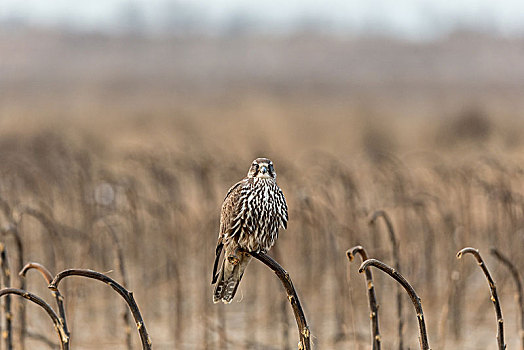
(261, 219)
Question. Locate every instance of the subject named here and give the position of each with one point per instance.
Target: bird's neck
(263, 181)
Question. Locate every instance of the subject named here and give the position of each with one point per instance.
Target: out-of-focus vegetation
(145, 136)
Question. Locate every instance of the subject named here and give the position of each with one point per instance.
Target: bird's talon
(233, 260)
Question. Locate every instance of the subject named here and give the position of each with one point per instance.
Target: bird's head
(262, 168)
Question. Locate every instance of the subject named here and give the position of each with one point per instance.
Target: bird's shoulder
(235, 191)
(233, 197)
(231, 205)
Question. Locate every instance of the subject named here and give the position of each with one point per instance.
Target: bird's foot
(233, 260)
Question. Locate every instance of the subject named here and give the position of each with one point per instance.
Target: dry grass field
(123, 145)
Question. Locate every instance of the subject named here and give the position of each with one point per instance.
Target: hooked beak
(264, 172)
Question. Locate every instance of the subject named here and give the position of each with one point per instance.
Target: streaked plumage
(252, 213)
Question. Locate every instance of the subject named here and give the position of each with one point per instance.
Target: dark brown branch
(6, 277)
(395, 251)
(124, 293)
(56, 293)
(423, 338)
(518, 282)
(372, 299)
(64, 338)
(303, 330)
(493, 291)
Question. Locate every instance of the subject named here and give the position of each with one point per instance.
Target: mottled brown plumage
(252, 213)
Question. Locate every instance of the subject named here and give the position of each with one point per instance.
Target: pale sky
(409, 18)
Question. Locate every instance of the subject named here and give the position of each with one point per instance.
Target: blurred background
(123, 124)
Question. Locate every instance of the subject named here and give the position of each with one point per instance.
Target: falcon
(252, 213)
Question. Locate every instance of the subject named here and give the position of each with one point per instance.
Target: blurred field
(146, 135)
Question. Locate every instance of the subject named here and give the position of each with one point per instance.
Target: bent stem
(518, 282)
(423, 338)
(395, 250)
(124, 293)
(119, 262)
(64, 338)
(50, 228)
(372, 299)
(56, 293)
(493, 291)
(303, 330)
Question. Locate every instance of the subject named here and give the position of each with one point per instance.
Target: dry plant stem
(372, 299)
(64, 339)
(119, 260)
(12, 229)
(56, 293)
(127, 295)
(423, 338)
(493, 290)
(303, 329)
(51, 229)
(6, 276)
(518, 282)
(396, 263)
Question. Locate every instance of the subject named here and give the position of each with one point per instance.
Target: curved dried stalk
(372, 299)
(124, 293)
(47, 222)
(119, 252)
(303, 330)
(56, 293)
(395, 251)
(6, 277)
(64, 338)
(518, 282)
(40, 268)
(119, 260)
(423, 338)
(50, 227)
(493, 291)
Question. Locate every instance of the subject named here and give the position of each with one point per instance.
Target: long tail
(229, 277)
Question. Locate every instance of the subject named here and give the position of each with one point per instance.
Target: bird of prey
(252, 213)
